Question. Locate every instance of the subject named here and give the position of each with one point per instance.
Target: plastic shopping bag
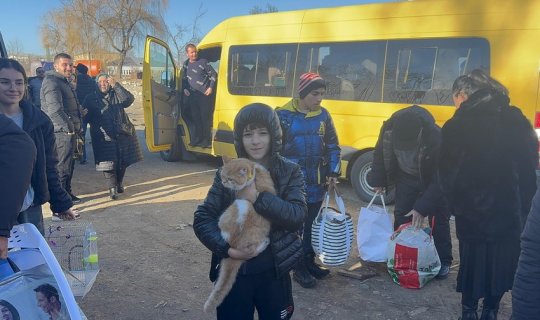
(332, 233)
(412, 257)
(374, 231)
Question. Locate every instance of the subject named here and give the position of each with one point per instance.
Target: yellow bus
(376, 59)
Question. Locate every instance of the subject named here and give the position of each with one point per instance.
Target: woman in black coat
(489, 154)
(114, 140)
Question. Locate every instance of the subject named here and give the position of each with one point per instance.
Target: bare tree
(15, 47)
(258, 10)
(182, 35)
(123, 22)
(68, 29)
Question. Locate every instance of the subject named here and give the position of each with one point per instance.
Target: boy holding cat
(263, 282)
(310, 139)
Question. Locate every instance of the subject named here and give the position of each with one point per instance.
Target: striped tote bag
(332, 233)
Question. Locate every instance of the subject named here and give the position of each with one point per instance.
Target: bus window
(264, 70)
(162, 67)
(422, 71)
(353, 70)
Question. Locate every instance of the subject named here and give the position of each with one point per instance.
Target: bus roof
(425, 18)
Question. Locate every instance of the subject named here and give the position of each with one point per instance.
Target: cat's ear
(226, 159)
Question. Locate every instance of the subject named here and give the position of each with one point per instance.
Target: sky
(20, 19)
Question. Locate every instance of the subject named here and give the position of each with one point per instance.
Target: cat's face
(237, 173)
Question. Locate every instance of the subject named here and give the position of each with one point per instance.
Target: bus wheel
(359, 173)
(177, 152)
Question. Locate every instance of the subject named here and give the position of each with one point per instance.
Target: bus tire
(359, 173)
(171, 155)
(177, 152)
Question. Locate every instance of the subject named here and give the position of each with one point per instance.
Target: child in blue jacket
(310, 139)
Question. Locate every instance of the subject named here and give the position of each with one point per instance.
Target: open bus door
(3, 52)
(160, 95)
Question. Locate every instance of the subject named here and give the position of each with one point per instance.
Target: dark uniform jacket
(104, 115)
(59, 101)
(285, 211)
(385, 168)
(45, 182)
(489, 155)
(18, 154)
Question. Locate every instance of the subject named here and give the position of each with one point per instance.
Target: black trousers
(312, 211)
(65, 146)
(408, 189)
(271, 297)
(201, 112)
(115, 177)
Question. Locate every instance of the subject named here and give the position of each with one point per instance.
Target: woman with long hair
(45, 184)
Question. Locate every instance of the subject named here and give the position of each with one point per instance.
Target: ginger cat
(240, 225)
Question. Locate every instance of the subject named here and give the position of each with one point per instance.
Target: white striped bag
(332, 233)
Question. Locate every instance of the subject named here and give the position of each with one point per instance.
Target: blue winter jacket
(311, 141)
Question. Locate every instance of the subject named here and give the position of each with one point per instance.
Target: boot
(490, 308)
(489, 314)
(314, 269)
(113, 194)
(468, 310)
(120, 189)
(302, 276)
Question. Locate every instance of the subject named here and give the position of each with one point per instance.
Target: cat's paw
(260, 248)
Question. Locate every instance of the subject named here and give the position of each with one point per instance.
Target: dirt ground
(153, 266)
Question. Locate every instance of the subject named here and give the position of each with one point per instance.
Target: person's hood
(33, 117)
(257, 113)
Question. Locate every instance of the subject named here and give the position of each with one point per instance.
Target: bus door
(160, 95)
(3, 52)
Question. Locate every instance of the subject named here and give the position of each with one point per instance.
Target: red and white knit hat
(308, 82)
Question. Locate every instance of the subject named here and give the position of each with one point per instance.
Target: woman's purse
(332, 232)
(125, 126)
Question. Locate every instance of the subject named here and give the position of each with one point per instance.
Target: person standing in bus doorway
(406, 155)
(263, 282)
(198, 81)
(487, 169)
(310, 139)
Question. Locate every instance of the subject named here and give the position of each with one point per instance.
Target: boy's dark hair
(257, 115)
